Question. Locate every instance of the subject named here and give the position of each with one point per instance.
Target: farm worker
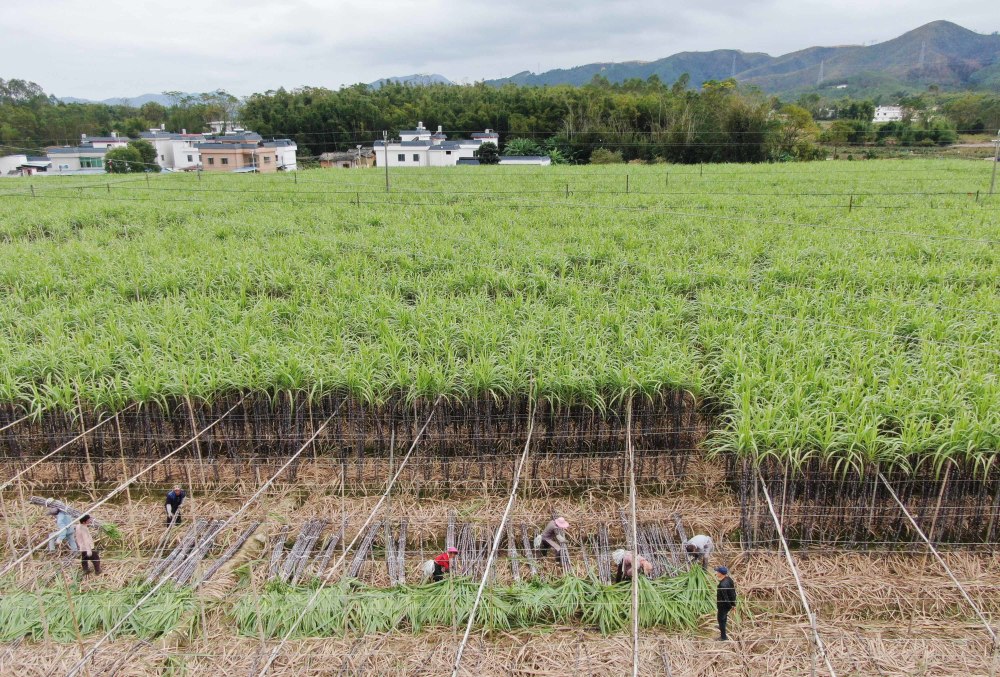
(699, 548)
(624, 561)
(84, 541)
(64, 531)
(552, 536)
(725, 599)
(435, 568)
(173, 505)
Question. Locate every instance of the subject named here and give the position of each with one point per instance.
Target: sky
(116, 48)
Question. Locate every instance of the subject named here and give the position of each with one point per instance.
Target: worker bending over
(435, 569)
(623, 562)
(85, 541)
(175, 498)
(552, 537)
(699, 548)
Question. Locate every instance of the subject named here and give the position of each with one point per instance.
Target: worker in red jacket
(442, 563)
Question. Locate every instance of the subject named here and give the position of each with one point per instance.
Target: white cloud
(106, 48)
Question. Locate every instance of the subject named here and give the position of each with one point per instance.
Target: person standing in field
(725, 599)
(699, 548)
(175, 498)
(64, 532)
(85, 542)
(552, 537)
(436, 568)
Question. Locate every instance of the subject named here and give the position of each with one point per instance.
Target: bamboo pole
(635, 539)
(944, 565)
(798, 580)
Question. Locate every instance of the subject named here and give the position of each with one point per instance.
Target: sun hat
(453, 550)
(562, 523)
(723, 570)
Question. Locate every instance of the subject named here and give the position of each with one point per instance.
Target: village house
(247, 152)
(82, 159)
(421, 148)
(22, 165)
(352, 159)
(175, 152)
(888, 114)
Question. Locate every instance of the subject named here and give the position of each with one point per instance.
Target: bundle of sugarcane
(68, 509)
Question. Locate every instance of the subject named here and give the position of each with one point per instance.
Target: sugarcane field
(660, 419)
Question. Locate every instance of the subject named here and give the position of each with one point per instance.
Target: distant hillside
(417, 79)
(939, 53)
(134, 101)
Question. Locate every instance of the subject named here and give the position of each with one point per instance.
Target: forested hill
(940, 53)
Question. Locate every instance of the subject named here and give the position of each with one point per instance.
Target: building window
(163, 157)
(267, 159)
(225, 161)
(211, 160)
(447, 152)
(416, 158)
(91, 162)
(401, 157)
(190, 159)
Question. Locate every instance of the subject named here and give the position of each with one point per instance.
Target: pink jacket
(84, 541)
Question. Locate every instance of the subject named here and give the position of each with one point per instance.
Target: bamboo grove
(821, 322)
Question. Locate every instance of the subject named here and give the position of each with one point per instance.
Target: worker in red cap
(552, 537)
(442, 563)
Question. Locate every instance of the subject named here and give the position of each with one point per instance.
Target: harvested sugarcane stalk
(529, 553)
(401, 553)
(390, 553)
(186, 542)
(228, 554)
(515, 567)
(68, 509)
(191, 562)
(449, 539)
(278, 552)
(307, 549)
(324, 559)
(603, 553)
(362, 554)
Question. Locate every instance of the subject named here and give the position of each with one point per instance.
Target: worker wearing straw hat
(172, 506)
(623, 560)
(725, 599)
(552, 536)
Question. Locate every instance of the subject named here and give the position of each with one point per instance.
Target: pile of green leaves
(355, 608)
(46, 613)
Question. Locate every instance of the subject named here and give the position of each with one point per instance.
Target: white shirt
(703, 544)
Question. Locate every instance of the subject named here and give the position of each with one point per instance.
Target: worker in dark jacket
(175, 498)
(725, 599)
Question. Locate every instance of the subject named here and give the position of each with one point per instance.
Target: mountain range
(134, 101)
(939, 53)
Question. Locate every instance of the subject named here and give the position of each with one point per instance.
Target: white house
(538, 160)
(888, 114)
(177, 152)
(113, 141)
(82, 159)
(22, 165)
(284, 152)
(421, 148)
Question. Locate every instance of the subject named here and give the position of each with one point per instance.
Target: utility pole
(996, 161)
(385, 147)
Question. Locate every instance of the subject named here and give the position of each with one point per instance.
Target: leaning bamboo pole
(798, 581)
(940, 560)
(326, 579)
(496, 544)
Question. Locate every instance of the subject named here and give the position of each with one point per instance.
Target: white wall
(11, 163)
(286, 157)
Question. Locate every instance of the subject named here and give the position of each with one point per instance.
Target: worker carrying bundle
(65, 531)
(434, 569)
(172, 506)
(552, 537)
(699, 548)
(623, 562)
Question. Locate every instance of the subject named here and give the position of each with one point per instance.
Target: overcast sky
(111, 48)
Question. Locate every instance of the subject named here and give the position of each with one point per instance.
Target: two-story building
(82, 159)
(175, 152)
(247, 152)
(421, 148)
(889, 114)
